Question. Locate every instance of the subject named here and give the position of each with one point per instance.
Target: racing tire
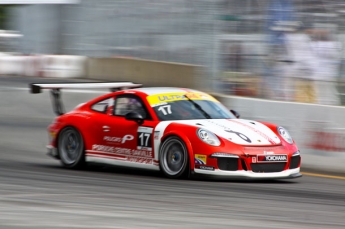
(174, 158)
(71, 148)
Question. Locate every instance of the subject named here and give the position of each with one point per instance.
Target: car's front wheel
(173, 158)
(71, 148)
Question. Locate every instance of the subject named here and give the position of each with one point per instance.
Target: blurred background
(289, 50)
(279, 61)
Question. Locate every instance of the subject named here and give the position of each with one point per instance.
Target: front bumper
(286, 174)
(52, 151)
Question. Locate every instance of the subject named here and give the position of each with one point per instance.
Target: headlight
(285, 134)
(208, 137)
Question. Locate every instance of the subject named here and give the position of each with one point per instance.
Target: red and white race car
(176, 130)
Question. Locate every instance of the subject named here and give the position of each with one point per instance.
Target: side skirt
(113, 161)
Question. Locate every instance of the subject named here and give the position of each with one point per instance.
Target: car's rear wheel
(71, 148)
(173, 158)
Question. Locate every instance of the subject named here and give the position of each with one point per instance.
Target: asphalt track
(37, 193)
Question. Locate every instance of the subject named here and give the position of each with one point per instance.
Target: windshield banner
(160, 99)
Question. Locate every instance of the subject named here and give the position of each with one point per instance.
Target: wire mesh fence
(198, 32)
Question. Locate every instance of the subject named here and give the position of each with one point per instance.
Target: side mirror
(237, 115)
(135, 116)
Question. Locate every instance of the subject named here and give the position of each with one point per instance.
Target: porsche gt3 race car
(176, 130)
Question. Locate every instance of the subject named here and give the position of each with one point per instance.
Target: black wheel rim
(174, 157)
(70, 146)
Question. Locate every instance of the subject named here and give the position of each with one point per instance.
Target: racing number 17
(144, 139)
(166, 109)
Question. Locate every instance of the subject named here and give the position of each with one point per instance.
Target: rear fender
(80, 123)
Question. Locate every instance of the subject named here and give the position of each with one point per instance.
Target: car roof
(160, 90)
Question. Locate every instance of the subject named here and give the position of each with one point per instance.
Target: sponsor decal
(156, 135)
(159, 99)
(122, 151)
(268, 152)
(244, 137)
(227, 129)
(272, 158)
(140, 160)
(262, 134)
(254, 149)
(200, 159)
(122, 140)
(204, 167)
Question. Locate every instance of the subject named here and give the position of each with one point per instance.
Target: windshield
(195, 109)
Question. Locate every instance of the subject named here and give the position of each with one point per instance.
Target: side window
(128, 103)
(102, 105)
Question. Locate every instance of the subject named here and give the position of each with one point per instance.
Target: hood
(238, 131)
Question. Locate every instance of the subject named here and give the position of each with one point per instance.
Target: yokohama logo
(272, 158)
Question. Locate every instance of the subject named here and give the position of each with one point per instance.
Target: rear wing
(55, 90)
(38, 87)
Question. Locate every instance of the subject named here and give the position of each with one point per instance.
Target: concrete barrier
(32, 66)
(152, 73)
(54, 66)
(11, 65)
(318, 130)
(61, 66)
